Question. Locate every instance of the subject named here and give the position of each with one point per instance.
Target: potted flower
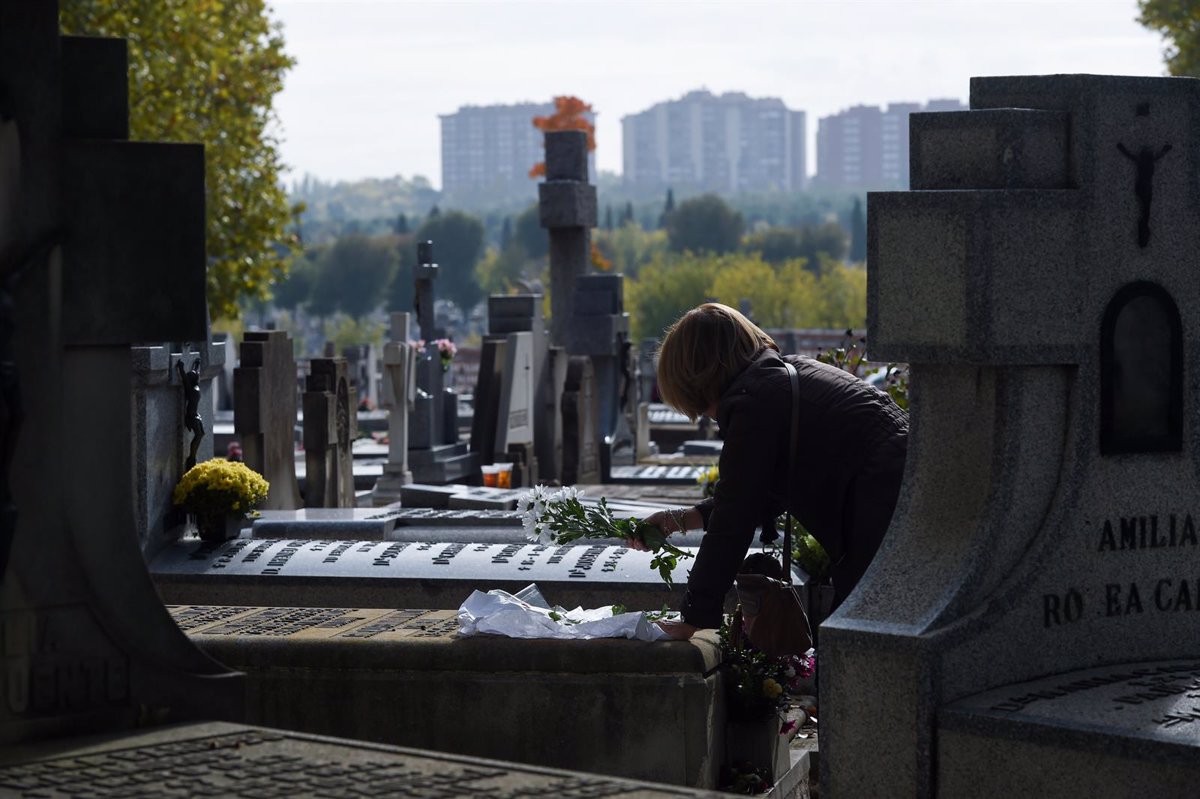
(218, 491)
(756, 698)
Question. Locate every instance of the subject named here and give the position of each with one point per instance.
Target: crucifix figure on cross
(1143, 184)
(191, 413)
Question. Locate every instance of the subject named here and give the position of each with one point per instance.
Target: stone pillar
(397, 395)
(567, 209)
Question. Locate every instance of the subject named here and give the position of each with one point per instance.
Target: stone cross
(264, 415)
(567, 209)
(397, 396)
(1031, 607)
(330, 427)
(86, 639)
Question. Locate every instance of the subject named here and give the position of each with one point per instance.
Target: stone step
(1126, 730)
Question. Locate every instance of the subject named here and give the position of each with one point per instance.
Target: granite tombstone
(264, 416)
(397, 395)
(330, 425)
(435, 453)
(1028, 624)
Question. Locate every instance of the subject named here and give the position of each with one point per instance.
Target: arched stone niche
(1141, 372)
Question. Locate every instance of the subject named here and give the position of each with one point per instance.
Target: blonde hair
(701, 354)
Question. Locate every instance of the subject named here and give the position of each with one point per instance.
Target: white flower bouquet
(556, 516)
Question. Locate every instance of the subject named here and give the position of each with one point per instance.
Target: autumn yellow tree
(208, 71)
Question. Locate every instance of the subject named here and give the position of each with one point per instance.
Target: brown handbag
(770, 612)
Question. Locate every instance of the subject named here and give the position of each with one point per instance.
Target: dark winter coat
(849, 464)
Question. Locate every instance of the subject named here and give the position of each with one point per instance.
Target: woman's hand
(662, 521)
(678, 630)
(675, 520)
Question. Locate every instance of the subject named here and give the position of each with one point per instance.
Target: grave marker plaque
(1047, 525)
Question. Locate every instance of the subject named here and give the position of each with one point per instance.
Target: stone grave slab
(418, 525)
(220, 759)
(381, 674)
(682, 474)
(1061, 729)
(367, 523)
(380, 573)
(1042, 288)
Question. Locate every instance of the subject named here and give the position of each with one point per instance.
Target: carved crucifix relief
(192, 421)
(1143, 184)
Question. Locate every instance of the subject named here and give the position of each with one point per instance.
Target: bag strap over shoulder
(793, 446)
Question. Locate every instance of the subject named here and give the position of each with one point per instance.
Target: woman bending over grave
(851, 445)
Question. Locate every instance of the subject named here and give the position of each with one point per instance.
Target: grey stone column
(567, 209)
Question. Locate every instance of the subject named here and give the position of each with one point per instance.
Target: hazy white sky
(373, 75)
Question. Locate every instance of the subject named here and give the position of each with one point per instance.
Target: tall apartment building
(487, 152)
(866, 147)
(728, 143)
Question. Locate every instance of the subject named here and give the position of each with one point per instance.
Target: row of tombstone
(87, 221)
(1026, 628)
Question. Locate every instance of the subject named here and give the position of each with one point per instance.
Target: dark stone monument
(1027, 627)
(264, 398)
(330, 426)
(435, 453)
(361, 367)
(599, 329)
(87, 644)
(523, 313)
(567, 209)
(581, 455)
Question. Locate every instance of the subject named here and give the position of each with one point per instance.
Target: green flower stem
(569, 520)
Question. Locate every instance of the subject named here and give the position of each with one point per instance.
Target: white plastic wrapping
(526, 615)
